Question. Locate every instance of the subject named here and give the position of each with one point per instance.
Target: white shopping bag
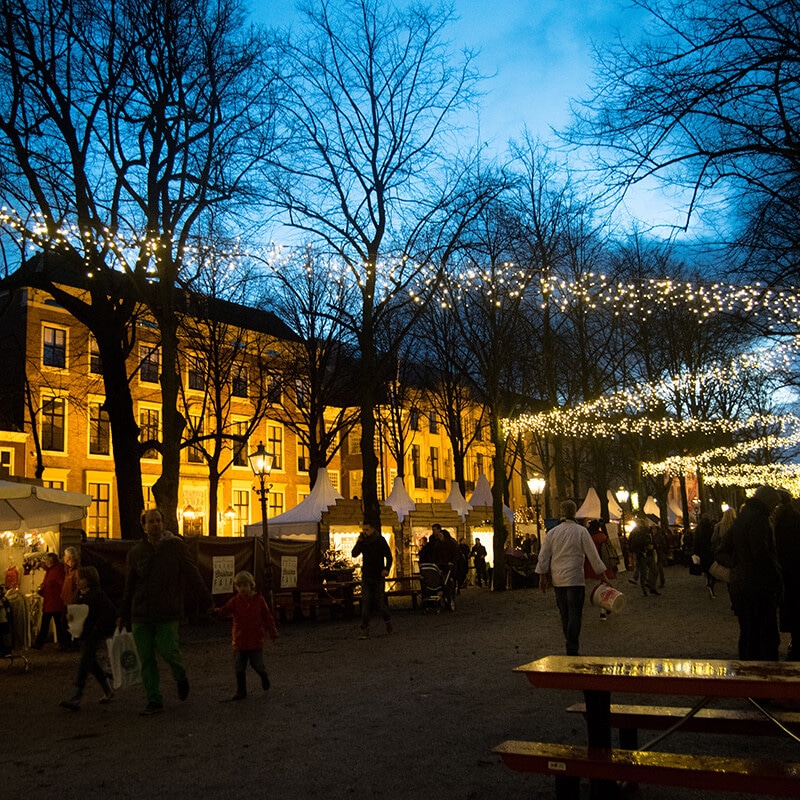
(125, 666)
(76, 617)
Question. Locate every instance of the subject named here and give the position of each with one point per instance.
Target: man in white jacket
(561, 566)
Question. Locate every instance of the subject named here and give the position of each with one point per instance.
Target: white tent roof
(651, 506)
(399, 500)
(28, 506)
(482, 496)
(614, 508)
(302, 520)
(590, 508)
(311, 508)
(458, 501)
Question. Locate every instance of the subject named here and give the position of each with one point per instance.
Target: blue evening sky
(539, 54)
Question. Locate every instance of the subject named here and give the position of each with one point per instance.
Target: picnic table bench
(630, 719)
(404, 586)
(605, 766)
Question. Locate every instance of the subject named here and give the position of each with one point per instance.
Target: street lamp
(536, 486)
(261, 462)
(622, 495)
(230, 516)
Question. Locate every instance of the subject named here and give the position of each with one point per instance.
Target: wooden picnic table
(597, 677)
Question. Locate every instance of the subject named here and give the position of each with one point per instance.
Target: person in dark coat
(787, 549)
(479, 560)
(375, 568)
(704, 550)
(756, 586)
(97, 627)
(158, 570)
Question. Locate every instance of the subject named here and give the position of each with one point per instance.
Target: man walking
(375, 567)
(152, 602)
(560, 564)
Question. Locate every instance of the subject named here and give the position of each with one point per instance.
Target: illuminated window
(98, 514)
(433, 422)
(275, 503)
(241, 505)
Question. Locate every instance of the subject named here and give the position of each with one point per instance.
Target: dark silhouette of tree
(123, 126)
(318, 402)
(708, 102)
(372, 90)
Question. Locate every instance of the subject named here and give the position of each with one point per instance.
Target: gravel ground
(403, 716)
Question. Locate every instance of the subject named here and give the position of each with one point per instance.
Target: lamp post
(622, 495)
(536, 486)
(261, 463)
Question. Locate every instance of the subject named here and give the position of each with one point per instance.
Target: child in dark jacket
(251, 617)
(99, 625)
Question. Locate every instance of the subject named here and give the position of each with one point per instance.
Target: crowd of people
(756, 548)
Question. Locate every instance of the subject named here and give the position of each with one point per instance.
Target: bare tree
(708, 102)
(372, 92)
(227, 354)
(316, 366)
(123, 126)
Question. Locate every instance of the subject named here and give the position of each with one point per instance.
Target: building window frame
(99, 430)
(274, 445)
(149, 363)
(53, 429)
(98, 515)
(54, 346)
(150, 428)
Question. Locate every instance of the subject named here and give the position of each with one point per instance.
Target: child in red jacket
(251, 617)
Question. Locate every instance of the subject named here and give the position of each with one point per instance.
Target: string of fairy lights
(622, 412)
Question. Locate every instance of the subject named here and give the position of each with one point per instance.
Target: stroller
(438, 588)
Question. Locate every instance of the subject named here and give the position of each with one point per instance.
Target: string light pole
(261, 462)
(536, 486)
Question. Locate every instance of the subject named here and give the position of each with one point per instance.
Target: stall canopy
(302, 521)
(399, 500)
(651, 507)
(458, 501)
(482, 496)
(27, 506)
(614, 508)
(590, 507)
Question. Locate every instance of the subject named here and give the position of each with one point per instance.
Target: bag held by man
(125, 664)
